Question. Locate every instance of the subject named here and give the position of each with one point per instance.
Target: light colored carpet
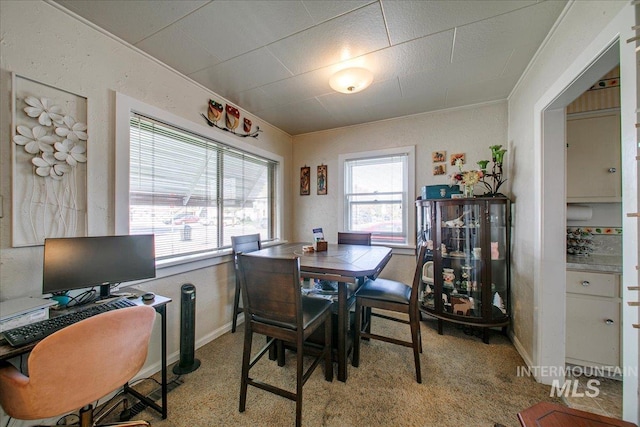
(465, 383)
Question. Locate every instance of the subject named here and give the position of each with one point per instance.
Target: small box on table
(439, 191)
(320, 245)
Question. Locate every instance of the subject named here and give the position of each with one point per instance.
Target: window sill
(171, 267)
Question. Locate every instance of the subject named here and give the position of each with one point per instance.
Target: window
(193, 192)
(378, 187)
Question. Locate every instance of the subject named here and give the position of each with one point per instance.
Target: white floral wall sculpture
(49, 163)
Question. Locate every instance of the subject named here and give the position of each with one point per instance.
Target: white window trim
(125, 105)
(410, 150)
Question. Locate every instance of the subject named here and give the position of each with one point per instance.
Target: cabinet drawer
(588, 283)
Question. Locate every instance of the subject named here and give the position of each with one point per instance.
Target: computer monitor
(84, 262)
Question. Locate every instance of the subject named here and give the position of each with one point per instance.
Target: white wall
(577, 28)
(42, 42)
(470, 130)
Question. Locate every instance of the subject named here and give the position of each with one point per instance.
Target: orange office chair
(78, 365)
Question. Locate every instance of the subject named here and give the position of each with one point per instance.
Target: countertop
(598, 263)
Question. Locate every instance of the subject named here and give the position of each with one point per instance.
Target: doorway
(550, 299)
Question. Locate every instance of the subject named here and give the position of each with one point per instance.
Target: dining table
(345, 264)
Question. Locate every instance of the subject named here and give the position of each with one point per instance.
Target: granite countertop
(598, 263)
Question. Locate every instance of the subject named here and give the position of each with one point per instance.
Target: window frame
(409, 191)
(125, 106)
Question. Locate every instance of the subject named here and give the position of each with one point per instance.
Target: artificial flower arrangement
(468, 179)
(497, 156)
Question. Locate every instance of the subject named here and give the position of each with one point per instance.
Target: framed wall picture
(322, 180)
(49, 155)
(439, 156)
(305, 181)
(440, 169)
(457, 156)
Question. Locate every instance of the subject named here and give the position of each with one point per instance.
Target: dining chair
(354, 238)
(79, 364)
(246, 243)
(392, 296)
(275, 307)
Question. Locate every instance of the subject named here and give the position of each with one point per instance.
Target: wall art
(49, 162)
(215, 111)
(305, 181)
(440, 169)
(438, 156)
(322, 180)
(455, 157)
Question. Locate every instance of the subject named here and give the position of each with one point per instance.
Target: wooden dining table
(345, 264)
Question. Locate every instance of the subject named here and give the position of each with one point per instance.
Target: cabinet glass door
(425, 235)
(459, 225)
(499, 260)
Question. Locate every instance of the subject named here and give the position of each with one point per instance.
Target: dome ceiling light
(351, 80)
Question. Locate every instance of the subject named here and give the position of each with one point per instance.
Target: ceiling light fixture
(351, 80)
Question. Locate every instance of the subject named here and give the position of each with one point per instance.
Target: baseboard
(153, 368)
(520, 349)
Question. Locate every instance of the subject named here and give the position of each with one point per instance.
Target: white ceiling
(274, 58)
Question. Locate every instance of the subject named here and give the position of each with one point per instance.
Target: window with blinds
(376, 197)
(194, 193)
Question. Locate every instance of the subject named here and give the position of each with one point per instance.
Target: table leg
(149, 402)
(163, 314)
(343, 326)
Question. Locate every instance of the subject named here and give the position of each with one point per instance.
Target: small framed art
(305, 181)
(322, 180)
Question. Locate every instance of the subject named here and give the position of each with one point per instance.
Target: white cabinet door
(593, 158)
(593, 331)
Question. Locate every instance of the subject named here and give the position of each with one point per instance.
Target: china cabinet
(465, 279)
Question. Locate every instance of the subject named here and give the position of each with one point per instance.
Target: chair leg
(328, 349)
(415, 340)
(355, 359)
(246, 362)
(236, 306)
(418, 319)
(279, 349)
(299, 382)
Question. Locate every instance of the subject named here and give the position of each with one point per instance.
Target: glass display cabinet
(465, 278)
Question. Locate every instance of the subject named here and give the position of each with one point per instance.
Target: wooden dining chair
(354, 238)
(246, 243)
(393, 296)
(274, 307)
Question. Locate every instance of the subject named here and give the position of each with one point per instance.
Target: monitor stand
(105, 291)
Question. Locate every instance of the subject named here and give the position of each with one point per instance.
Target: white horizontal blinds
(375, 192)
(188, 190)
(246, 195)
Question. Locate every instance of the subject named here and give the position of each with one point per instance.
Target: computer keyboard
(27, 334)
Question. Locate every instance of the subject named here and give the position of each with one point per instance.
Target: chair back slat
(271, 288)
(354, 238)
(246, 243)
(420, 261)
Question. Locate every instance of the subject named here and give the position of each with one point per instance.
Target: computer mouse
(148, 296)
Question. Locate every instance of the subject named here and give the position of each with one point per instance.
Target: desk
(342, 263)
(159, 304)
